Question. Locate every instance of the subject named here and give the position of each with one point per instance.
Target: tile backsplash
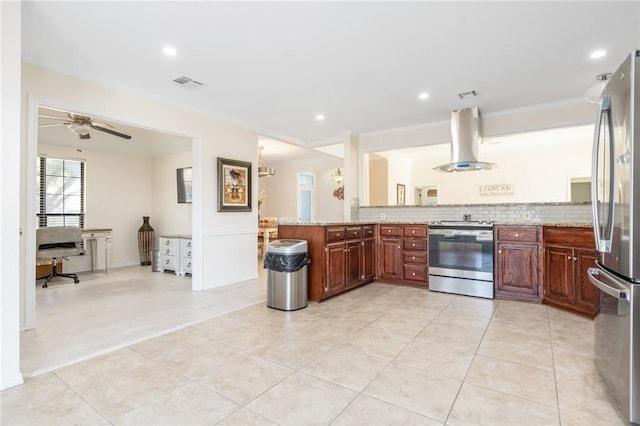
(525, 213)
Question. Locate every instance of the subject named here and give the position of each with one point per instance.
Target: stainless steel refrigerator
(615, 188)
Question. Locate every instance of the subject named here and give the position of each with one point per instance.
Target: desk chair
(55, 243)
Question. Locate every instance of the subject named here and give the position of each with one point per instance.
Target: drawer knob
(414, 258)
(517, 235)
(389, 231)
(167, 242)
(413, 232)
(414, 244)
(337, 234)
(189, 253)
(414, 274)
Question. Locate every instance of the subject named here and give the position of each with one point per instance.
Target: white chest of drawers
(175, 254)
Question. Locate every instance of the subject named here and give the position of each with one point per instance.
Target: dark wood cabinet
(518, 262)
(335, 269)
(568, 253)
(403, 254)
(389, 255)
(342, 257)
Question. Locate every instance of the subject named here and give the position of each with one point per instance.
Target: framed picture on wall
(234, 185)
(400, 194)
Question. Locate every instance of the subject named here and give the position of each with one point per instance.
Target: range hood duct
(465, 136)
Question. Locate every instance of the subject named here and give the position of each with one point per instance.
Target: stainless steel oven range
(461, 258)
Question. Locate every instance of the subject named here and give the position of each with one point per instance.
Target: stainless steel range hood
(465, 136)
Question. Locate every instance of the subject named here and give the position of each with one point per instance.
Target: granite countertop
(414, 222)
(533, 203)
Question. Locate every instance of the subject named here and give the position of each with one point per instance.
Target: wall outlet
(526, 215)
(383, 216)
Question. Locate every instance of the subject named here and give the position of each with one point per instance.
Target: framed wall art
(400, 194)
(234, 185)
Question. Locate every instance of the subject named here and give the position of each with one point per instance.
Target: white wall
(399, 172)
(10, 235)
(169, 216)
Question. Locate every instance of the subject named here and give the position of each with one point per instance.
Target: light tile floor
(380, 354)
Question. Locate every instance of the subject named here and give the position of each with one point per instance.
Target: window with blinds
(61, 190)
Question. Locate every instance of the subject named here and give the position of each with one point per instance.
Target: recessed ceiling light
(169, 51)
(597, 54)
(319, 117)
(423, 96)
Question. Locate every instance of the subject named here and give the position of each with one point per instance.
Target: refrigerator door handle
(603, 245)
(619, 293)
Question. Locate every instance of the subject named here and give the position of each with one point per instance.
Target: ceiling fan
(81, 125)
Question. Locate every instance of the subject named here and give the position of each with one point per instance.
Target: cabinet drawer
(186, 264)
(415, 231)
(168, 262)
(186, 248)
(354, 232)
(415, 273)
(336, 234)
(419, 257)
(168, 246)
(390, 231)
(573, 237)
(415, 244)
(368, 231)
(518, 233)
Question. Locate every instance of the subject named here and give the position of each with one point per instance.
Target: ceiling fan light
(79, 129)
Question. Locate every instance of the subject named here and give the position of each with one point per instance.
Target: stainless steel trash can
(286, 262)
(155, 260)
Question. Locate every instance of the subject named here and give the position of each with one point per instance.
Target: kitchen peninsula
(542, 262)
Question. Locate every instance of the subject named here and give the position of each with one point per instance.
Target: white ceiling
(273, 66)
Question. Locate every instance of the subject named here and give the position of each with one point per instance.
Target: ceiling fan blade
(101, 124)
(87, 136)
(53, 118)
(112, 132)
(54, 124)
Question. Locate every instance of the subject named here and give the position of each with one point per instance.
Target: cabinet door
(354, 263)
(587, 297)
(368, 259)
(335, 268)
(390, 262)
(517, 271)
(558, 275)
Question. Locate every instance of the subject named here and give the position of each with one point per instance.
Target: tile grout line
(475, 353)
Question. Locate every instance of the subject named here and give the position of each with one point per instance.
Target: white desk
(266, 234)
(94, 235)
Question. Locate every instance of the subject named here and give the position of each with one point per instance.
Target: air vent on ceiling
(187, 83)
(468, 94)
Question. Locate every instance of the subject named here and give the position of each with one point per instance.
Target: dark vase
(146, 238)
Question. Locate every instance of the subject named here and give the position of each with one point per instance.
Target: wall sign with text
(497, 189)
